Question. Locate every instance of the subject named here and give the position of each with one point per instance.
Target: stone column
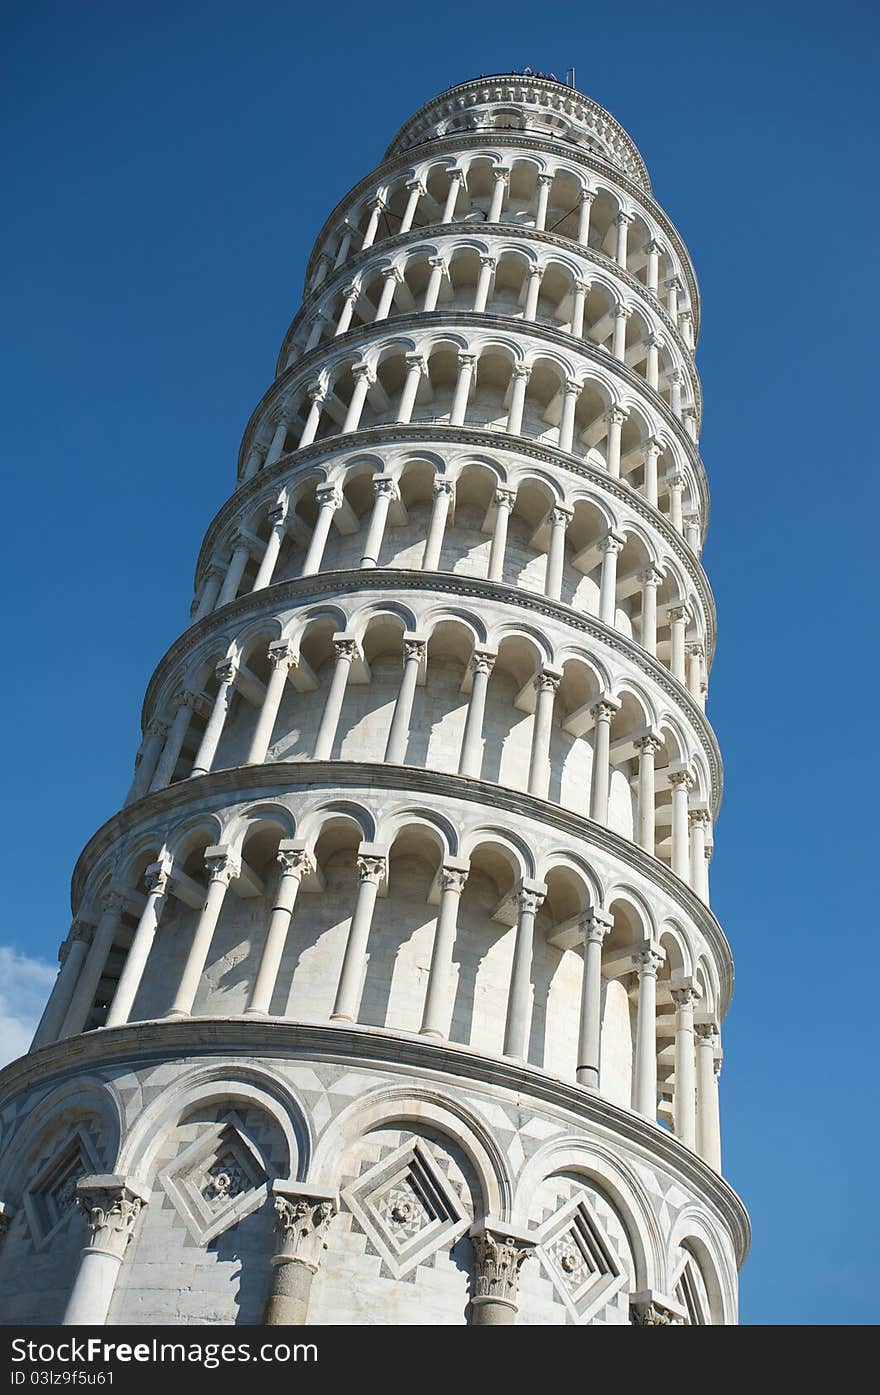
(648, 961)
(647, 748)
(544, 182)
(112, 1205)
(385, 492)
(708, 1121)
(586, 203)
(505, 499)
(112, 906)
(350, 297)
(618, 343)
(653, 451)
(344, 244)
(435, 1015)
(156, 878)
(317, 394)
(315, 333)
(278, 519)
(466, 365)
(652, 366)
(147, 759)
(650, 579)
(72, 954)
(345, 653)
(226, 673)
(416, 369)
(484, 284)
(560, 517)
(281, 659)
(615, 417)
(302, 1219)
(444, 494)
(363, 381)
(435, 281)
(519, 383)
(222, 869)
(686, 324)
(577, 309)
(610, 547)
(414, 653)
(684, 1105)
(235, 571)
(676, 485)
(371, 869)
(501, 177)
(377, 208)
(210, 592)
(682, 782)
(600, 780)
(295, 864)
(692, 533)
(456, 179)
(529, 898)
(471, 759)
(416, 190)
(622, 222)
(653, 250)
(694, 655)
(276, 445)
(186, 702)
(499, 1255)
(393, 279)
(673, 286)
(329, 497)
(536, 274)
(678, 622)
(596, 925)
(546, 686)
(699, 823)
(675, 381)
(254, 460)
(569, 407)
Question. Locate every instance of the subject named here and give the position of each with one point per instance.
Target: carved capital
(414, 649)
(547, 682)
(363, 373)
(616, 416)
(345, 648)
(621, 311)
(156, 728)
(371, 868)
(648, 960)
(316, 391)
(79, 930)
(697, 817)
(385, 487)
(682, 779)
(528, 902)
(505, 499)
(523, 372)
(156, 877)
(498, 1258)
(294, 862)
(417, 361)
(221, 865)
(442, 485)
(707, 1032)
(487, 261)
(596, 925)
(648, 745)
(611, 543)
(685, 996)
(282, 654)
(453, 879)
(226, 671)
(604, 710)
(301, 1225)
(112, 1207)
(482, 662)
(329, 496)
(112, 901)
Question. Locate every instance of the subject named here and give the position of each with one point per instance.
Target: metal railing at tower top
(568, 81)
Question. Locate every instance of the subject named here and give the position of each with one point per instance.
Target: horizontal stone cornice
(464, 141)
(501, 443)
(441, 231)
(345, 583)
(401, 1053)
(253, 781)
(311, 363)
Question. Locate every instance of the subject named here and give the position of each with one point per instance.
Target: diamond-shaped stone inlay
(218, 1180)
(51, 1197)
(580, 1259)
(407, 1208)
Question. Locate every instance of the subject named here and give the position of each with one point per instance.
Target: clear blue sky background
(164, 171)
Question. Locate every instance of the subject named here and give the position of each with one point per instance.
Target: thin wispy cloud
(24, 986)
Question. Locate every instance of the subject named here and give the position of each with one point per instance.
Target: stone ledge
(182, 1039)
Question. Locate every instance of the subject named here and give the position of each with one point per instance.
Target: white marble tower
(393, 994)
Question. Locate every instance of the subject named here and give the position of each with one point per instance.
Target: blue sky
(165, 170)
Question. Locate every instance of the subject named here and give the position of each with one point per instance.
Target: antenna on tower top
(569, 77)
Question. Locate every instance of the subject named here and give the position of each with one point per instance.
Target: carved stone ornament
(301, 1224)
(498, 1258)
(112, 1208)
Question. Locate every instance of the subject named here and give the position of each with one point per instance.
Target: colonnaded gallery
(393, 994)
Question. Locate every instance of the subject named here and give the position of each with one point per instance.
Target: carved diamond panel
(50, 1200)
(407, 1208)
(217, 1181)
(580, 1260)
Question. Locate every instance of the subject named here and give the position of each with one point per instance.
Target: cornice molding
(309, 364)
(436, 231)
(185, 1040)
(353, 581)
(508, 140)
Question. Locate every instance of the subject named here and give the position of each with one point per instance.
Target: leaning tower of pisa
(393, 993)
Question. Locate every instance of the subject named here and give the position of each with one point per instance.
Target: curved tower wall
(393, 992)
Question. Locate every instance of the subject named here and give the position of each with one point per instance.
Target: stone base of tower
(272, 1169)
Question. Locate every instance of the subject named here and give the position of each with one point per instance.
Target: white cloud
(25, 984)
